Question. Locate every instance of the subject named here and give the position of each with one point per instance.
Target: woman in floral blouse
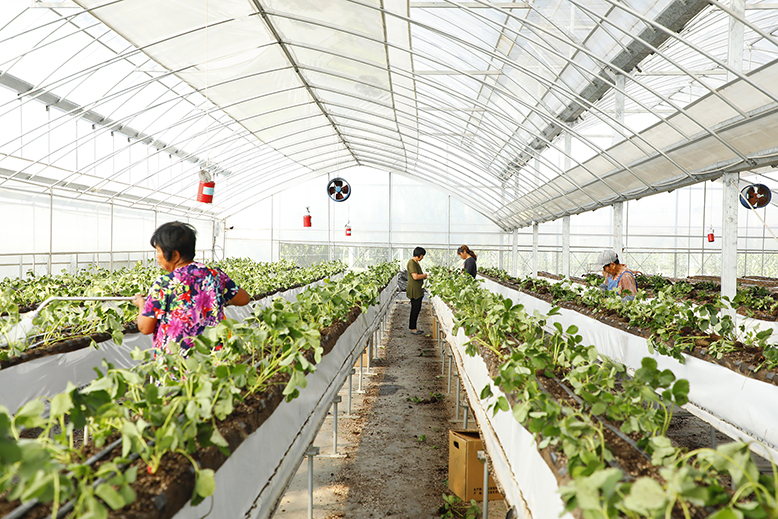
(192, 296)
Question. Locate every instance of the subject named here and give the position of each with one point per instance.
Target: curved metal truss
(543, 108)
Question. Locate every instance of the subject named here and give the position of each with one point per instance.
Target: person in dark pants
(469, 256)
(414, 290)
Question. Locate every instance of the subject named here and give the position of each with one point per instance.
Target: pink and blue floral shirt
(186, 301)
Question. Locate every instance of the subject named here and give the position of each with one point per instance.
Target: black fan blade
(345, 189)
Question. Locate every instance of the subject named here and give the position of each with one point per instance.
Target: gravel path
(395, 443)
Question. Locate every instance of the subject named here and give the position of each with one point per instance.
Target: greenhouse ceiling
(526, 111)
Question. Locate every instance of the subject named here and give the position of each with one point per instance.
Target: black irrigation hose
(21, 510)
(68, 507)
(615, 431)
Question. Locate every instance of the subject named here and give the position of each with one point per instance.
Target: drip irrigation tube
(21, 510)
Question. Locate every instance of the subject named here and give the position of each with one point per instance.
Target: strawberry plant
(176, 414)
(601, 394)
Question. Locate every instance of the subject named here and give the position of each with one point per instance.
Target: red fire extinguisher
(348, 229)
(710, 235)
(307, 218)
(205, 189)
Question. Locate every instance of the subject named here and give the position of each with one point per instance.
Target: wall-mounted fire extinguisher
(711, 237)
(307, 218)
(348, 229)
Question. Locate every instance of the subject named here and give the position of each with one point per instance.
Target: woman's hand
(139, 300)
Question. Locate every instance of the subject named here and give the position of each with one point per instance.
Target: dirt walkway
(396, 443)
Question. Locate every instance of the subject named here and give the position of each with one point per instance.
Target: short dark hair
(419, 251)
(175, 236)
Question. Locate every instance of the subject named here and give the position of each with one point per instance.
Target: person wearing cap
(618, 277)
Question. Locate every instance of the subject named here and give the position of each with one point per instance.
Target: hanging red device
(711, 238)
(348, 230)
(205, 189)
(307, 219)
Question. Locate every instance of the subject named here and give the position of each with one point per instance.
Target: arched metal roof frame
(486, 138)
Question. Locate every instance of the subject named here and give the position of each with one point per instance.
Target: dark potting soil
(744, 360)
(161, 495)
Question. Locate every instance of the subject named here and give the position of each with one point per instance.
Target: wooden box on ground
(465, 470)
(364, 361)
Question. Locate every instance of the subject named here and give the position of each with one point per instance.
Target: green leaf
(217, 439)
(727, 513)
(205, 484)
(111, 497)
(30, 415)
(646, 495)
(60, 404)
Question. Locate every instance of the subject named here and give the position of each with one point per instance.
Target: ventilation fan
(756, 196)
(339, 190)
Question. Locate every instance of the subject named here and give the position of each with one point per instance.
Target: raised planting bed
(730, 400)
(213, 397)
(252, 481)
(600, 431)
(525, 478)
(46, 370)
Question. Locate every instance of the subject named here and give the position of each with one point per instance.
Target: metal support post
(450, 356)
(350, 384)
(442, 357)
(464, 421)
(485, 511)
(535, 249)
(515, 252)
(361, 355)
(729, 238)
(459, 390)
(370, 350)
(618, 230)
(335, 402)
(566, 246)
(311, 452)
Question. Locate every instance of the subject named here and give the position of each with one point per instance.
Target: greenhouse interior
(370, 258)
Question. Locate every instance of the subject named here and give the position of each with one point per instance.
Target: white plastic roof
(472, 97)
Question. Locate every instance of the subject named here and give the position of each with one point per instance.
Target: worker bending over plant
(617, 276)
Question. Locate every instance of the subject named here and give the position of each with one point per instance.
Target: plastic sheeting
(49, 376)
(526, 480)
(253, 480)
(736, 405)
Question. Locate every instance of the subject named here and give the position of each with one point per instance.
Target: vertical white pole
(618, 110)
(730, 200)
(515, 254)
(729, 235)
(331, 253)
(618, 229)
(501, 255)
(51, 228)
(535, 227)
(448, 220)
(566, 246)
(736, 39)
(566, 219)
(110, 262)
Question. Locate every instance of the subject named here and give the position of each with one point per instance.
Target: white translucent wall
(409, 214)
(665, 233)
(44, 233)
